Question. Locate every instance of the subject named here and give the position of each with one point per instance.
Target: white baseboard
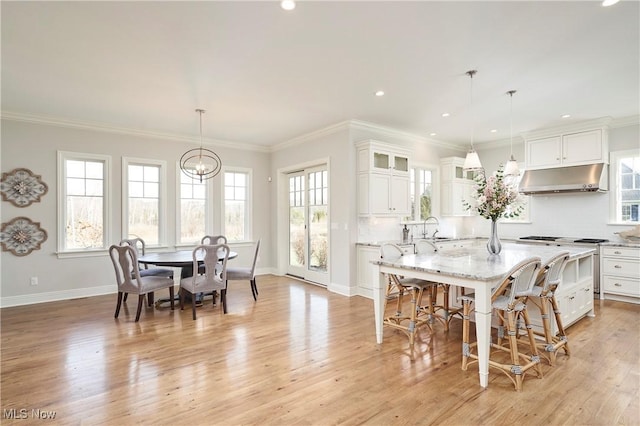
(30, 299)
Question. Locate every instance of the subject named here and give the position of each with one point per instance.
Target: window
(236, 209)
(143, 200)
(524, 215)
(625, 190)
(422, 184)
(83, 201)
(192, 209)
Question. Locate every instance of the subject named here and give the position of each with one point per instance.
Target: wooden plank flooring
(300, 355)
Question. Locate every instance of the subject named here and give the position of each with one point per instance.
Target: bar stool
(443, 313)
(397, 287)
(543, 296)
(508, 300)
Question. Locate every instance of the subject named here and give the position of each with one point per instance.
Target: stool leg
(562, 337)
(466, 312)
(535, 358)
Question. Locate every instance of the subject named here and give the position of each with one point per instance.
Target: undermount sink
(436, 238)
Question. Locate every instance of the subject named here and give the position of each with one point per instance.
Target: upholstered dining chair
(211, 240)
(508, 300)
(214, 259)
(129, 280)
(238, 273)
(139, 246)
(397, 286)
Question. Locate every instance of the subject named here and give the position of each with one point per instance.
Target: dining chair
(211, 240)
(508, 300)
(129, 279)
(397, 287)
(543, 296)
(442, 312)
(239, 273)
(138, 246)
(214, 259)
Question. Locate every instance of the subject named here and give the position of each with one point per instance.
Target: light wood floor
(300, 355)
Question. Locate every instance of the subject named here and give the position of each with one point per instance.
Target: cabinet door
(583, 147)
(367, 271)
(401, 164)
(399, 202)
(544, 152)
(381, 161)
(379, 193)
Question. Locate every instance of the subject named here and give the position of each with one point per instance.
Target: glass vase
(493, 245)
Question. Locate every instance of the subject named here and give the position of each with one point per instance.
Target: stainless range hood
(586, 178)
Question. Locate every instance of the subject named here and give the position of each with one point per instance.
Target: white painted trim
(103, 127)
(603, 122)
(388, 131)
(31, 299)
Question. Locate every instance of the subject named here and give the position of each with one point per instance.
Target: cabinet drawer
(621, 267)
(631, 252)
(625, 286)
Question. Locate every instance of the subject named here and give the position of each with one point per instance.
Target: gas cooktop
(564, 239)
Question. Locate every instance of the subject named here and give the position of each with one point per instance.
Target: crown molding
(409, 137)
(632, 120)
(603, 122)
(325, 131)
(102, 127)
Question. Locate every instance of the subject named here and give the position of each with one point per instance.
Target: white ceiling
(265, 75)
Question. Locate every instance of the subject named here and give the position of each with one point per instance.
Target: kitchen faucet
(424, 226)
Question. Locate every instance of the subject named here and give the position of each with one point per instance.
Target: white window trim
(435, 191)
(62, 204)
(162, 194)
(248, 235)
(208, 210)
(614, 184)
(525, 216)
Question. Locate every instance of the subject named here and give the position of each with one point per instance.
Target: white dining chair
(238, 273)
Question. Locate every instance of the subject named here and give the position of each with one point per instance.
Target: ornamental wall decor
(21, 187)
(21, 236)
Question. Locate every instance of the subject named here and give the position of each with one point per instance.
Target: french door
(309, 224)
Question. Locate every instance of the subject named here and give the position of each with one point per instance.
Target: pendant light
(200, 163)
(472, 161)
(511, 168)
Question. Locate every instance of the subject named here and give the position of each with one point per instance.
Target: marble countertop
(476, 263)
(400, 243)
(620, 244)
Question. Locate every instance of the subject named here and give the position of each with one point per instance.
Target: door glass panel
(296, 221)
(318, 226)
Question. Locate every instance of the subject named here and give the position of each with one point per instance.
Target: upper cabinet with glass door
(383, 179)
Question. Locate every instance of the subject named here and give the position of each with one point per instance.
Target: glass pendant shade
(511, 168)
(472, 161)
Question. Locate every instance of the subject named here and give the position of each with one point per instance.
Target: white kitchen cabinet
(620, 273)
(574, 295)
(568, 149)
(367, 272)
(456, 187)
(383, 180)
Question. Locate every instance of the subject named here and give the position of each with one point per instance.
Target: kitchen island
(473, 267)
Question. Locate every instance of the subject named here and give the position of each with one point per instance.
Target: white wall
(35, 146)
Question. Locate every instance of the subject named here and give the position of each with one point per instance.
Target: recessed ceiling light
(432, 134)
(606, 3)
(445, 114)
(566, 116)
(288, 4)
(380, 93)
(494, 130)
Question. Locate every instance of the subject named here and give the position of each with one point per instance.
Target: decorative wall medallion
(21, 236)
(21, 187)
